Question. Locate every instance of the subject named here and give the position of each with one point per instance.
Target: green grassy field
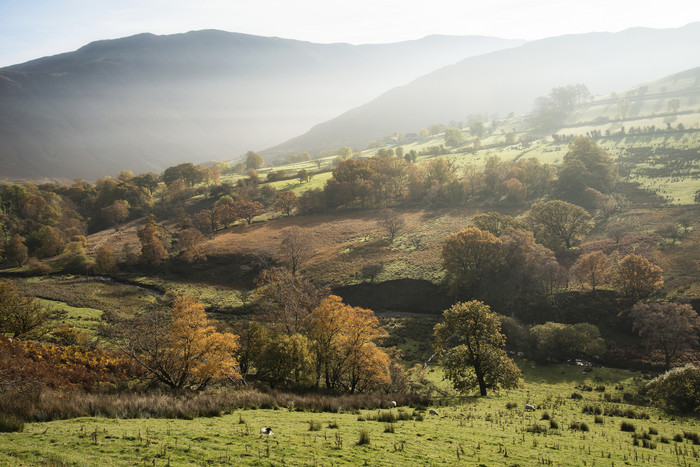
(86, 319)
(495, 430)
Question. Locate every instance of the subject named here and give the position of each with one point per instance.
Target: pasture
(578, 420)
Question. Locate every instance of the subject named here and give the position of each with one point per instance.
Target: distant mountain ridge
(146, 102)
(510, 80)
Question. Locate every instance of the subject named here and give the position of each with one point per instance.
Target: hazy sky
(34, 28)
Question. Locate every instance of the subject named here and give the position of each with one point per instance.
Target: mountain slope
(510, 80)
(146, 102)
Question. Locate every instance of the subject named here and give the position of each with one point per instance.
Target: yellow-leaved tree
(346, 355)
(180, 348)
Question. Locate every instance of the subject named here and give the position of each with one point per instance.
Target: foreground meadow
(578, 419)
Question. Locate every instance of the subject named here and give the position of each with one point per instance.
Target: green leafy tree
(586, 165)
(453, 137)
(187, 172)
(558, 224)
(470, 343)
(497, 223)
(560, 342)
(22, 316)
(253, 160)
(677, 389)
(287, 360)
(477, 128)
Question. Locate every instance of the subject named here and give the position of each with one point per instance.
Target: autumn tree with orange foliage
(180, 348)
(346, 356)
(151, 237)
(591, 269)
(637, 277)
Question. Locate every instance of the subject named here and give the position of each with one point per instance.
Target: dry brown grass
(345, 241)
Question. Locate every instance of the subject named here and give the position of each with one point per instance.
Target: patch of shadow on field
(400, 295)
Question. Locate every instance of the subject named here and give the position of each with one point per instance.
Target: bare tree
(392, 222)
(295, 247)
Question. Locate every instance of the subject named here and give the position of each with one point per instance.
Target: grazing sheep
(529, 407)
(433, 412)
(266, 431)
(393, 403)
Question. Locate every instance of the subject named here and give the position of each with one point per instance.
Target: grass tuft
(314, 425)
(364, 437)
(627, 426)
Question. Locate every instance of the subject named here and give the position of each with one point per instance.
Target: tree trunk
(482, 383)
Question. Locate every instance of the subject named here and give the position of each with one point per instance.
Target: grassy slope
(473, 430)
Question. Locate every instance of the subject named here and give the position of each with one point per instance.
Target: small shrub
(545, 416)
(314, 425)
(536, 428)
(361, 418)
(418, 415)
(364, 437)
(389, 428)
(333, 425)
(600, 388)
(653, 431)
(511, 405)
(403, 415)
(648, 444)
(598, 419)
(241, 420)
(553, 424)
(386, 417)
(664, 439)
(580, 426)
(626, 426)
(592, 410)
(576, 396)
(694, 437)
(678, 438)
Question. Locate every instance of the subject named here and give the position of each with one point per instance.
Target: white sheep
(266, 431)
(529, 407)
(433, 412)
(393, 403)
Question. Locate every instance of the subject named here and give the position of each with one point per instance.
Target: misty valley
(224, 249)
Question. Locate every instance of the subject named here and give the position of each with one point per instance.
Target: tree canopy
(586, 165)
(558, 224)
(470, 344)
(180, 348)
(470, 256)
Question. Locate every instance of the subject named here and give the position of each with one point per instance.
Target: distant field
(495, 430)
(87, 319)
